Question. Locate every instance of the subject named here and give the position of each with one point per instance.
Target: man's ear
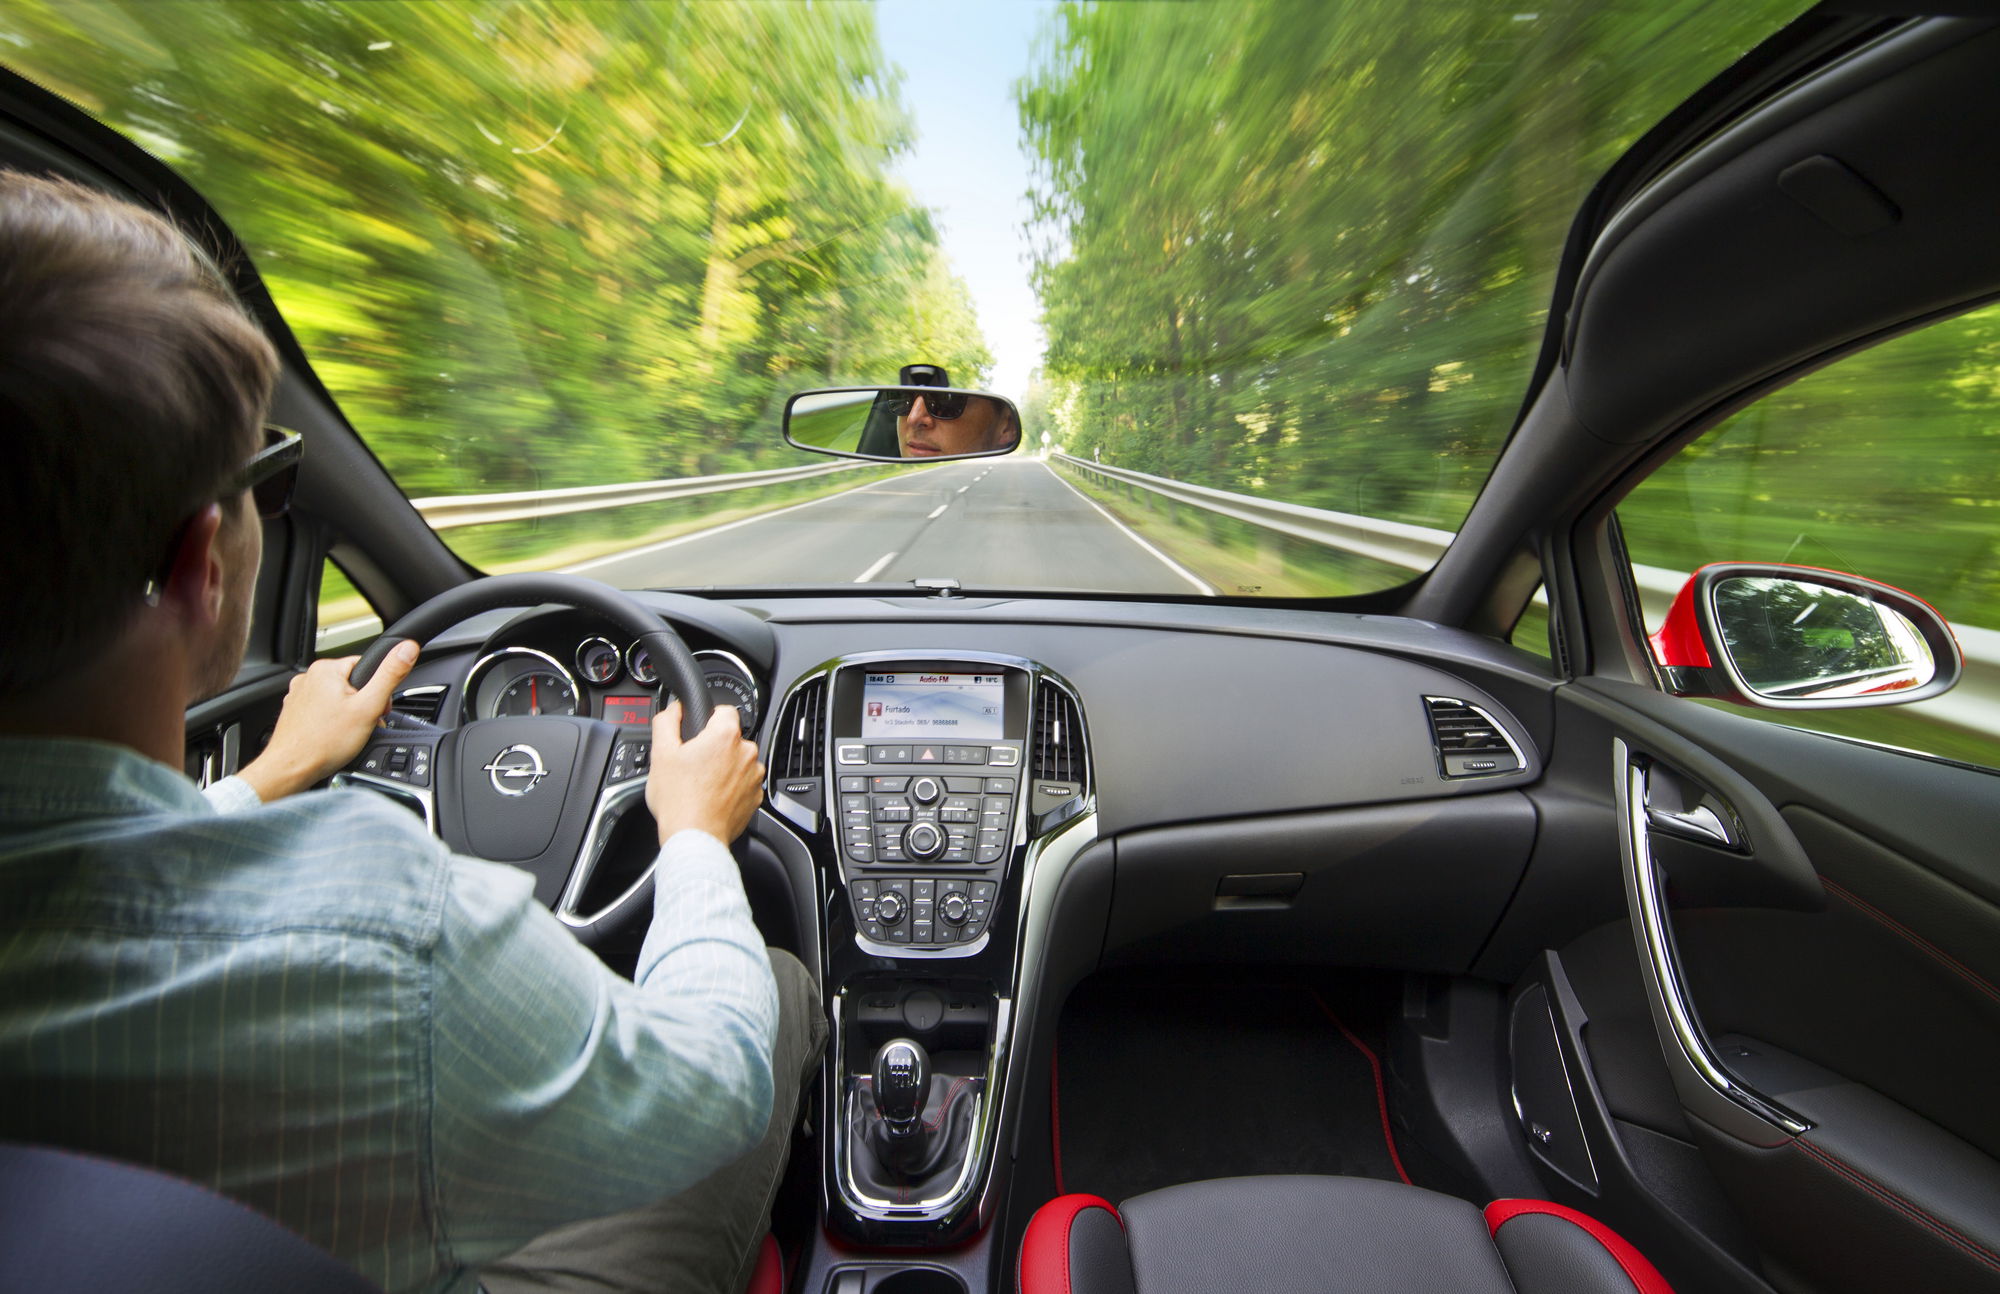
(195, 578)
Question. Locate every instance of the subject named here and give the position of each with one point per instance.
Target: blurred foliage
(1883, 464)
(529, 245)
(1307, 250)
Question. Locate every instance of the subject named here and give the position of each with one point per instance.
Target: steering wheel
(541, 792)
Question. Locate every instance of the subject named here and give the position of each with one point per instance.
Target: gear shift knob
(901, 1078)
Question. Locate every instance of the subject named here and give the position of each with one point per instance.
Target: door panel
(1852, 1010)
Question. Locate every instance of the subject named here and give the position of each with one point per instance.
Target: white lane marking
(963, 488)
(937, 512)
(1201, 586)
(665, 544)
(874, 570)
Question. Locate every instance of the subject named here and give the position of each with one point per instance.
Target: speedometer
(729, 683)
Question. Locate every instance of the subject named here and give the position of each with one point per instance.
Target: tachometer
(539, 691)
(520, 681)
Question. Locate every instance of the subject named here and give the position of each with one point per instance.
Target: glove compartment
(1410, 886)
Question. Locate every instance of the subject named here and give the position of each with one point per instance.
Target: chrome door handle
(1700, 824)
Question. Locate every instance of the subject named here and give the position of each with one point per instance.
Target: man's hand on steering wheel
(324, 723)
(713, 783)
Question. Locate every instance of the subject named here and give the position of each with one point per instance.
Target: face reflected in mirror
(1794, 639)
(896, 423)
(933, 424)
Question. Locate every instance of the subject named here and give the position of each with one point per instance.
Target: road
(1006, 522)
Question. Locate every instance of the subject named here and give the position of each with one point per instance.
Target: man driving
(304, 1000)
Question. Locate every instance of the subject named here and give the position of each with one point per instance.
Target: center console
(940, 795)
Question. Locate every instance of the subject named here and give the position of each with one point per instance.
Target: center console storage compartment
(882, 1279)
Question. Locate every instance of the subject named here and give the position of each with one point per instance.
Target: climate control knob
(889, 908)
(923, 841)
(954, 908)
(925, 790)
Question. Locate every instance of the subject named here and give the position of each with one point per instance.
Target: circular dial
(536, 691)
(640, 662)
(598, 661)
(729, 683)
(923, 842)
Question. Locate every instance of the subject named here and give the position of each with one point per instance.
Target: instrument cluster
(609, 682)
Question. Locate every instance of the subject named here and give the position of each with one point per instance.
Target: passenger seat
(1322, 1235)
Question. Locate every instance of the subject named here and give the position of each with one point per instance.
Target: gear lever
(901, 1079)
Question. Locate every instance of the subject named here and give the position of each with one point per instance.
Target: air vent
(1469, 742)
(423, 704)
(801, 736)
(798, 754)
(1058, 736)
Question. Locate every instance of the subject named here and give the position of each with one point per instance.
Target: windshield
(1265, 281)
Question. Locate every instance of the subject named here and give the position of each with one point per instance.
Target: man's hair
(131, 384)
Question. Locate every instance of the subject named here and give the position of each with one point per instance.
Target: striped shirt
(314, 1007)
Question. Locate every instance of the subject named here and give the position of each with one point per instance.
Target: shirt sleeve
(564, 1091)
(231, 795)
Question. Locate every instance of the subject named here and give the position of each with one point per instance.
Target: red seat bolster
(1645, 1277)
(1044, 1265)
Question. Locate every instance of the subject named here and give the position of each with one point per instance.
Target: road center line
(937, 512)
(963, 488)
(874, 570)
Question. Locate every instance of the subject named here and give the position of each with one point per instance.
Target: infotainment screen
(940, 706)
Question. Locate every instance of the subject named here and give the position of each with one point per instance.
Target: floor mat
(1160, 1083)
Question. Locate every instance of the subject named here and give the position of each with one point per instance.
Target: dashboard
(971, 803)
(1379, 760)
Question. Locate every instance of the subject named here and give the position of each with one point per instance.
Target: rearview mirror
(898, 424)
(1798, 638)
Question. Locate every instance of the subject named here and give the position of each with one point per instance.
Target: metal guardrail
(452, 511)
(1973, 705)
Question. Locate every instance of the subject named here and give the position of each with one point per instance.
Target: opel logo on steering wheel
(516, 770)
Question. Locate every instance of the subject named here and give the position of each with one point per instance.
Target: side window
(346, 620)
(1886, 465)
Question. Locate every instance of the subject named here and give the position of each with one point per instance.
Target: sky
(960, 61)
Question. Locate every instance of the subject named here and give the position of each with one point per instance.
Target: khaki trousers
(705, 1239)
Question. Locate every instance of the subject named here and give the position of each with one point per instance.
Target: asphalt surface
(1005, 522)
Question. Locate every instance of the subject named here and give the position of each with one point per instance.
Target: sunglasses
(942, 405)
(270, 475)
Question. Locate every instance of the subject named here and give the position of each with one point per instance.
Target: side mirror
(1799, 638)
(902, 424)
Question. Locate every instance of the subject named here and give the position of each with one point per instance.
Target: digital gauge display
(934, 706)
(631, 710)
